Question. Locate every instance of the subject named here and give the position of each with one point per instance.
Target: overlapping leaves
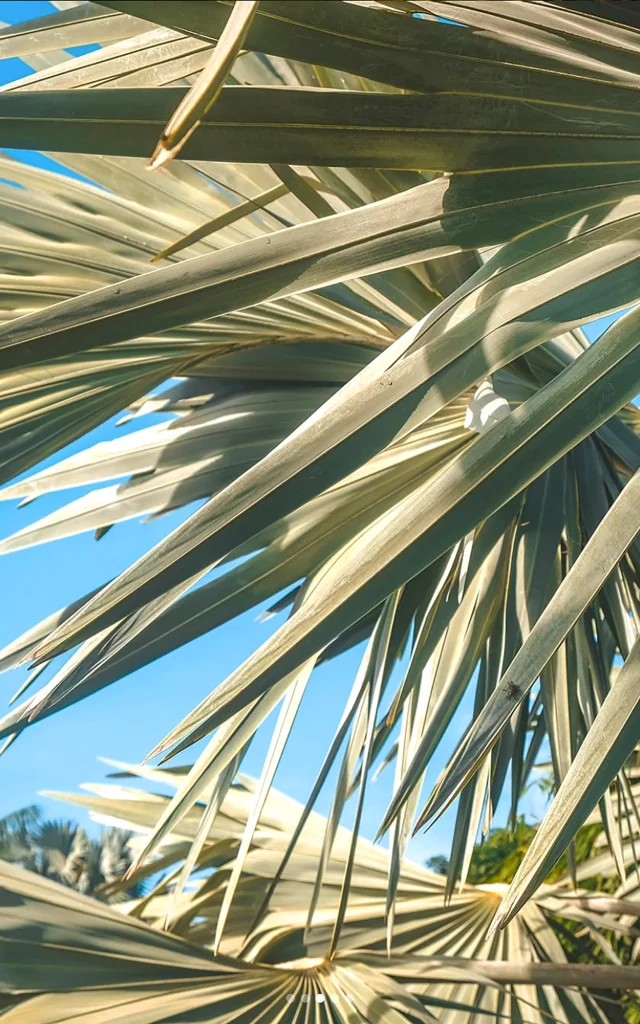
(399, 429)
(435, 945)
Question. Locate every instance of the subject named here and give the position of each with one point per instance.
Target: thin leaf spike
(206, 90)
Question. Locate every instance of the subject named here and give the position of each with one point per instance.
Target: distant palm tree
(16, 831)
(62, 851)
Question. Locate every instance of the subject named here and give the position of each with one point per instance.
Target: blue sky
(125, 720)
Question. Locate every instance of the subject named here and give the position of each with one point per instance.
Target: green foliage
(498, 857)
(439, 864)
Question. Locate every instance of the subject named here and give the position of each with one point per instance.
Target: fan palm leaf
(378, 264)
(430, 935)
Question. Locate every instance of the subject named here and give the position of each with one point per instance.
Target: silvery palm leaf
(432, 934)
(378, 248)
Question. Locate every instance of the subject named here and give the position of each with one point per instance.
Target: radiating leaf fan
(379, 249)
(440, 954)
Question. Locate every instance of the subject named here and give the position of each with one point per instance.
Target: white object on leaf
(485, 409)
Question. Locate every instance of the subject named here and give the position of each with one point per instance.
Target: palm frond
(378, 258)
(434, 940)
